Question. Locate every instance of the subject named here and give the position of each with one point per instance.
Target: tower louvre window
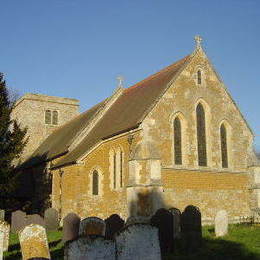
(48, 117)
(177, 141)
(201, 136)
(55, 117)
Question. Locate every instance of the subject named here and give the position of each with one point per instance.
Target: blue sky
(76, 48)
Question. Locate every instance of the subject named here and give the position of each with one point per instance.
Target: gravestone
(163, 220)
(35, 219)
(2, 215)
(18, 221)
(92, 226)
(138, 241)
(5, 229)
(176, 222)
(221, 223)
(34, 243)
(113, 224)
(51, 219)
(70, 229)
(1, 244)
(90, 248)
(191, 228)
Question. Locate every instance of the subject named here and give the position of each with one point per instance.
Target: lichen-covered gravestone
(35, 219)
(70, 229)
(221, 223)
(163, 220)
(138, 241)
(2, 215)
(113, 224)
(191, 228)
(34, 243)
(92, 226)
(5, 229)
(1, 244)
(90, 248)
(18, 221)
(51, 218)
(176, 222)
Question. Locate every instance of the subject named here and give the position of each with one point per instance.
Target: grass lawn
(242, 242)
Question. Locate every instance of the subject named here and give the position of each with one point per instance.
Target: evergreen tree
(12, 143)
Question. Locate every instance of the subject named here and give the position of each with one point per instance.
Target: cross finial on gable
(198, 41)
(120, 79)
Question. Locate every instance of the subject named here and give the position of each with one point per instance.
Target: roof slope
(127, 111)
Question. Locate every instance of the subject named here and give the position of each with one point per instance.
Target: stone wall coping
(46, 98)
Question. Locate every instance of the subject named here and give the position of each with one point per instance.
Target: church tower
(42, 114)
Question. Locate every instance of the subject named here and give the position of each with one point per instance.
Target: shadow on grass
(214, 249)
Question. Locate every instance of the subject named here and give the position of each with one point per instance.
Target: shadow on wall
(34, 185)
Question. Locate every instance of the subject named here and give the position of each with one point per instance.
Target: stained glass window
(177, 141)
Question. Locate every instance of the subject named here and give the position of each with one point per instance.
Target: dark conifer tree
(12, 143)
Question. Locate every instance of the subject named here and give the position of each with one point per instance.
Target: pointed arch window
(121, 169)
(114, 170)
(199, 77)
(223, 143)
(95, 183)
(177, 141)
(201, 135)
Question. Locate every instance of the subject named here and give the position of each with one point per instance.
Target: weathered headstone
(51, 218)
(113, 224)
(5, 229)
(18, 221)
(70, 227)
(33, 241)
(90, 247)
(2, 215)
(1, 245)
(163, 220)
(92, 226)
(191, 228)
(35, 219)
(138, 241)
(176, 222)
(221, 223)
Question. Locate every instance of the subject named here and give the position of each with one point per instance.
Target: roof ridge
(158, 72)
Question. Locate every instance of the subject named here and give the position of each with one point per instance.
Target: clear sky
(76, 48)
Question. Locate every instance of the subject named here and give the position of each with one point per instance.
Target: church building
(174, 139)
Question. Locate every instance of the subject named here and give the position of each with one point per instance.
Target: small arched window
(199, 78)
(201, 136)
(224, 150)
(95, 183)
(177, 141)
(48, 117)
(54, 117)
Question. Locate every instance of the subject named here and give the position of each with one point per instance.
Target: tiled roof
(125, 113)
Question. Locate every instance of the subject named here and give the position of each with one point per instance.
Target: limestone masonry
(175, 139)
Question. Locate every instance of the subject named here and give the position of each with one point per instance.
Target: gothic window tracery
(201, 135)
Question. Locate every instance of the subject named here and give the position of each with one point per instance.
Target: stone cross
(34, 243)
(198, 41)
(221, 223)
(5, 229)
(120, 81)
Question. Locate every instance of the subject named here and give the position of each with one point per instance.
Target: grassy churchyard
(242, 242)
